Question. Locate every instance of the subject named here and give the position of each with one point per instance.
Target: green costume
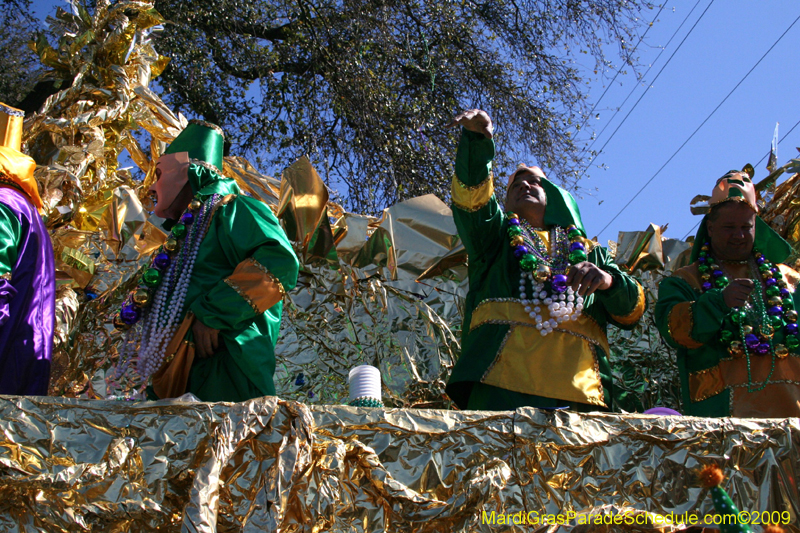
(505, 362)
(718, 378)
(244, 265)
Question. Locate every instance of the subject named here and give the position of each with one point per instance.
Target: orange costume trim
(253, 282)
(680, 325)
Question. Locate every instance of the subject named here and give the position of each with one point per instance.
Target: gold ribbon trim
(208, 125)
(680, 325)
(206, 165)
(471, 198)
(562, 366)
(256, 285)
(634, 316)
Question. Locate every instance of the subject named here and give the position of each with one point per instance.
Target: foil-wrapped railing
(273, 465)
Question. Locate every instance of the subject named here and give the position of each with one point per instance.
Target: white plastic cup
(365, 380)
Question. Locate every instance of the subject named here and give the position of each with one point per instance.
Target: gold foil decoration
(252, 182)
(303, 198)
(274, 465)
(644, 367)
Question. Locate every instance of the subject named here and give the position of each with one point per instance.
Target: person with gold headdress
(206, 315)
(27, 269)
(541, 294)
(731, 312)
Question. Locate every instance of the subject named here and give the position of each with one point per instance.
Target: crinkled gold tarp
(269, 465)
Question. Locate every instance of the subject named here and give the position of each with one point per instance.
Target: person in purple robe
(27, 269)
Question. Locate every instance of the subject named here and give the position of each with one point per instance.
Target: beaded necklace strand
(150, 313)
(752, 333)
(543, 274)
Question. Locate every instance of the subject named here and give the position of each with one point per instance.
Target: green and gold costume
(505, 362)
(244, 265)
(716, 382)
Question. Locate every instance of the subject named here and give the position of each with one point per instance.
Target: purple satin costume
(27, 305)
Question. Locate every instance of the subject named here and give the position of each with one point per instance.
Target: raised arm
(476, 211)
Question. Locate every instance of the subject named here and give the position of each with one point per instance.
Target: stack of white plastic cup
(365, 380)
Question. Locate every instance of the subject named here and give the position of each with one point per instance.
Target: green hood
(561, 210)
(205, 144)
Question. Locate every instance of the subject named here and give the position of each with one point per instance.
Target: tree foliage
(19, 66)
(364, 87)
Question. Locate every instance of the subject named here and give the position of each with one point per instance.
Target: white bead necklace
(562, 306)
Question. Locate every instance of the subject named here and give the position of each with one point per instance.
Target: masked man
(27, 270)
(206, 315)
(540, 295)
(731, 313)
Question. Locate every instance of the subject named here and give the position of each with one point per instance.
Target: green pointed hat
(562, 209)
(711, 477)
(737, 186)
(203, 141)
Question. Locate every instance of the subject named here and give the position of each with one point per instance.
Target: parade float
(384, 291)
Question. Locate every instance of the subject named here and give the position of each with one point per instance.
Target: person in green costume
(731, 312)
(541, 294)
(209, 307)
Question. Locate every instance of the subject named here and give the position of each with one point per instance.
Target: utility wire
(635, 86)
(762, 160)
(627, 62)
(701, 124)
(649, 85)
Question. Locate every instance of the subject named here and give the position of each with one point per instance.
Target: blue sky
(725, 44)
(722, 47)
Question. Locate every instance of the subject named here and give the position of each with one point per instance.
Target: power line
(636, 86)
(627, 62)
(762, 160)
(649, 85)
(701, 124)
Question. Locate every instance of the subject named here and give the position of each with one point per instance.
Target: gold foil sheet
(782, 212)
(274, 465)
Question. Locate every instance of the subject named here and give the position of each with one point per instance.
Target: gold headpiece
(734, 186)
(11, 127)
(16, 168)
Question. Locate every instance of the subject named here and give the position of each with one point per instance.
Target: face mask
(171, 178)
